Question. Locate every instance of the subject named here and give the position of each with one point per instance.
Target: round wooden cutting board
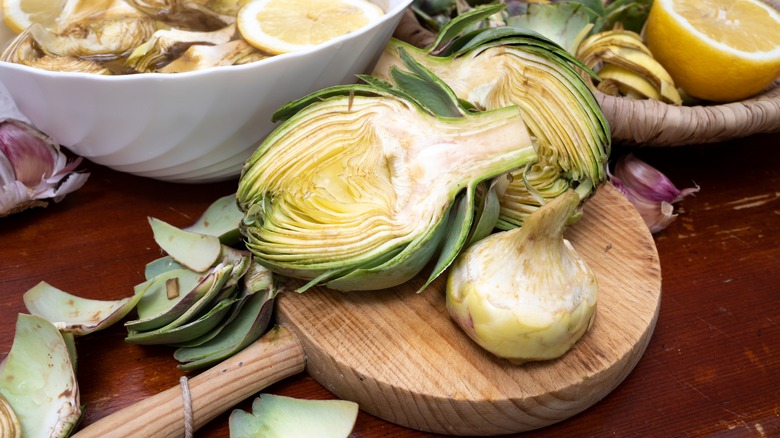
(398, 354)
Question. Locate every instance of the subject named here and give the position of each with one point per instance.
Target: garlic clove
(648, 190)
(33, 169)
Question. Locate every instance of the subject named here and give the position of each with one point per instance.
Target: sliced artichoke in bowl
(363, 185)
(38, 380)
(74, 314)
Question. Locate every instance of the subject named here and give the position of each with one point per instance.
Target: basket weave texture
(652, 123)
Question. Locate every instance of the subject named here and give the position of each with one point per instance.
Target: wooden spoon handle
(275, 356)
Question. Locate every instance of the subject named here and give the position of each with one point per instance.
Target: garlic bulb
(525, 294)
(33, 169)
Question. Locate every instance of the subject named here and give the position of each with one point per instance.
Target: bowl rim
(392, 12)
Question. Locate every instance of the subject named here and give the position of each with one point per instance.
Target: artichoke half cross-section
(363, 185)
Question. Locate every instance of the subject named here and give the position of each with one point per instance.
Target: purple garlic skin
(33, 169)
(649, 190)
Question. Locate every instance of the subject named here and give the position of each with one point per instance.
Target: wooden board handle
(275, 356)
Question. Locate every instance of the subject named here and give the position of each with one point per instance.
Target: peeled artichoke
(363, 185)
(496, 67)
(525, 294)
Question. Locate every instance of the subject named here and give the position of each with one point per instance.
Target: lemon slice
(282, 26)
(20, 14)
(718, 50)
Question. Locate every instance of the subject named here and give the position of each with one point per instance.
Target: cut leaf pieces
(247, 326)
(38, 380)
(196, 251)
(74, 314)
(155, 309)
(287, 417)
(220, 219)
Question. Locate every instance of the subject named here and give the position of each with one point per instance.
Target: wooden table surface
(712, 366)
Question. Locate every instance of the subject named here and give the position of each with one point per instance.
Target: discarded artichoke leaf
(161, 265)
(220, 219)
(74, 314)
(354, 189)
(38, 380)
(194, 302)
(196, 251)
(156, 310)
(276, 416)
(251, 323)
(185, 332)
(9, 423)
(199, 56)
(255, 279)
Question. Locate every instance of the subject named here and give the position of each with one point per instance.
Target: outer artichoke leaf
(461, 23)
(398, 269)
(196, 251)
(295, 106)
(188, 309)
(455, 239)
(567, 24)
(186, 332)
(251, 323)
(156, 308)
(220, 219)
(161, 265)
(487, 212)
(275, 416)
(38, 380)
(74, 314)
(425, 88)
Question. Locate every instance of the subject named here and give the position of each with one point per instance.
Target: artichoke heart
(525, 294)
(361, 188)
(496, 67)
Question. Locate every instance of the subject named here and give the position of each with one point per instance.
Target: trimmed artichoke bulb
(525, 294)
(497, 67)
(363, 185)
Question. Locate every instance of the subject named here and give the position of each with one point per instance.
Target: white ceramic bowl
(186, 127)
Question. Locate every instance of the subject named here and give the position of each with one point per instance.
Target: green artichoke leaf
(488, 210)
(188, 331)
(74, 314)
(157, 307)
(461, 23)
(38, 380)
(567, 24)
(251, 323)
(160, 265)
(186, 310)
(220, 219)
(196, 251)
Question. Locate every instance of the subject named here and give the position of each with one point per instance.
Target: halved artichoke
(496, 67)
(363, 185)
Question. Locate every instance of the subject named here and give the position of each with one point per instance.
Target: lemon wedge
(20, 14)
(716, 50)
(283, 26)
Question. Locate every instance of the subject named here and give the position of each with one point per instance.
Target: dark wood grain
(712, 366)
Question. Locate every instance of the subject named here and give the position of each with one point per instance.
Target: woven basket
(653, 123)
